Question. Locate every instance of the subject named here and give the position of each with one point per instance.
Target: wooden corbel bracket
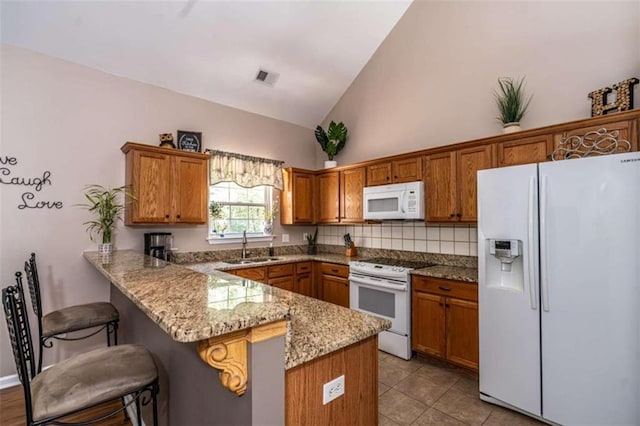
(228, 353)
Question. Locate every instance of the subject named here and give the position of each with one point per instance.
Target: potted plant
(332, 141)
(512, 103)
(216, 213)
(105, 203)
(311, 243)
(269, 215)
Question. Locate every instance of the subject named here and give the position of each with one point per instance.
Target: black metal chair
(81, 382)
(66, 320)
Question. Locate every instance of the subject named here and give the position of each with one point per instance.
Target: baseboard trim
(9, 381)
(12, 380)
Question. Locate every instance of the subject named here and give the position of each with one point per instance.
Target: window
(242, 209)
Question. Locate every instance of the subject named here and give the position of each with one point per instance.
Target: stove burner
(398, 262)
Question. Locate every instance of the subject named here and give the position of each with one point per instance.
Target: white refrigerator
(559, 289)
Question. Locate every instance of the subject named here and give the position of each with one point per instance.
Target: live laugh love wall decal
(28, 198)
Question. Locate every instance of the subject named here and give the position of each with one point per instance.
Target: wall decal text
(37, 182)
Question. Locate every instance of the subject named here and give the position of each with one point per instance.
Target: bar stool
(69, 319)
(80, 382)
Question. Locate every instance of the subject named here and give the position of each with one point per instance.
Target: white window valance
(244, 170)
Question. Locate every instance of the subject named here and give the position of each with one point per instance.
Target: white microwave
(397, 201)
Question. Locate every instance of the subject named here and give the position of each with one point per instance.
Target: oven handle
(376, 283)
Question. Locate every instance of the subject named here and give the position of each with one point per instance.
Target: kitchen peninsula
(217, 336)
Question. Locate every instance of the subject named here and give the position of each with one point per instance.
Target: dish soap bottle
(271, 250)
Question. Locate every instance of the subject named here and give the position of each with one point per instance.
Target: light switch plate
(285, 238)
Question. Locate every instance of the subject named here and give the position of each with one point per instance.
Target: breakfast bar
(235, 351)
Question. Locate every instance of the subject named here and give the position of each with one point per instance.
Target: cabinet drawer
(303, 267)
(276, 271)
(335, 269)
(256, 274)
(449, 288)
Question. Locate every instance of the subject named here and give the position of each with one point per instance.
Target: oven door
(383, 298)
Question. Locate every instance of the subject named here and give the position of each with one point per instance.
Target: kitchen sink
(253, 260)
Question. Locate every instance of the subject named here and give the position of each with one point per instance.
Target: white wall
(72, 121)
(430, 83)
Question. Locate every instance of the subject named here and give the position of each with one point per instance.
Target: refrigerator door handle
(531, 246)
(544, 282)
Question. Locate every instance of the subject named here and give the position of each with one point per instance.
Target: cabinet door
(625, 129)
(462, 332)
(440, 187)
(524, 151)
(352, 183)
(256, 274)
(379, 174)
(470, 160)
(190, 190)
(328, 197)
(407, 170)
(302, 198)
(285, 283)
(335, 290)
(150, 176)
(304, 284)
(428, 324)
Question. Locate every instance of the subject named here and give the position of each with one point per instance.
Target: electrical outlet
(285, 238)
(333, 389)
(304, 236)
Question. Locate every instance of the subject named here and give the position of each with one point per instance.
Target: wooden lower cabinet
(445, 320)
(359, 404)
(295, 277)
(304, 279)
(334, 283)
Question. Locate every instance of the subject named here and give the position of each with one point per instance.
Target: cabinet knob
(296, 217)
(166, 216)
(178, 216)
(447, 305)
(388, 177)
(440, 304)
(458, 215)
(395, 177)
(452, 215)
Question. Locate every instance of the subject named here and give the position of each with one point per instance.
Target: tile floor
(426, 392)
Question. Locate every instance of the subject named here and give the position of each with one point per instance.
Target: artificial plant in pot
(216, 212)
(107, 204)
(311, 243)
(332, 141)
(512, 103)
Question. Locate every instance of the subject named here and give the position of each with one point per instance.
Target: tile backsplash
(408, 236)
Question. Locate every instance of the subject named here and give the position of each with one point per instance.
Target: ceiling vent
(267, 78)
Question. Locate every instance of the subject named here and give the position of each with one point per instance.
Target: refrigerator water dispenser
(504, 264)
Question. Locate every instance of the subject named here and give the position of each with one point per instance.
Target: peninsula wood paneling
(359, 404)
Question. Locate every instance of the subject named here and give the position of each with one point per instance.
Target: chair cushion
(91, 378)
(78, 317)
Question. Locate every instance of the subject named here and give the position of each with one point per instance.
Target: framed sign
(190, 141)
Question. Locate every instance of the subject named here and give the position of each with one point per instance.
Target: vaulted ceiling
(214, 49)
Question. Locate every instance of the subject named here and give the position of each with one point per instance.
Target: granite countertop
(459, 273)
(190, 305)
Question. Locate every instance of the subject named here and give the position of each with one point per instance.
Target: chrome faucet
(244, 244)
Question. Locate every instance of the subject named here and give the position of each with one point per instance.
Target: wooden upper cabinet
(469, 161)
(352, 182)
(191, 190)
(627, 130)
(396, 171)
(407, 170)
(296, 199)
(170, 186)
(440, 187)
(450, 183)
(328, 209)
(534, 149)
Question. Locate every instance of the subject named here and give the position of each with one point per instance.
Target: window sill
(233, 239)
